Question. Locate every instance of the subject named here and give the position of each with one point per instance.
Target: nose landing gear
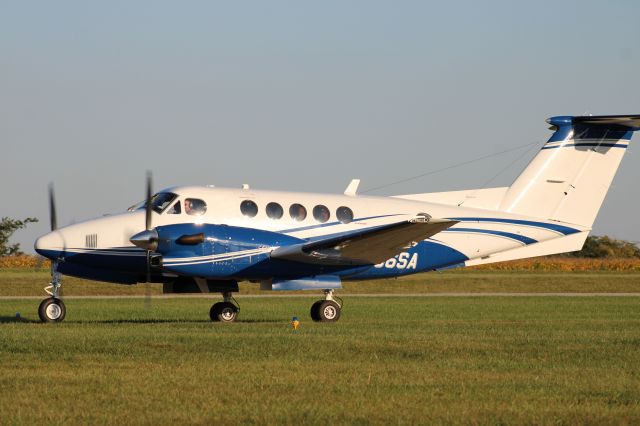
(52, 309)
(327, 310)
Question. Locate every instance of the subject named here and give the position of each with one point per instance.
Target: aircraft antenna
(453, 166)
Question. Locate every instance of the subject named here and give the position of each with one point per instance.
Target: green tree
(607, 247)
(7, 227)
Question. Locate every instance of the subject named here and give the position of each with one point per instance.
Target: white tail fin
(568, 180)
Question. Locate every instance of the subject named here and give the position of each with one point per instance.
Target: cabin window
(248, 208)
(274, 210)
(175, 209)
(298, 212)
(321, 213)
(344, 214)
(194, 206)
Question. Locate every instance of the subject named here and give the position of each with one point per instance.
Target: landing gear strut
(226, 311)
(52, 309)
(327, 310)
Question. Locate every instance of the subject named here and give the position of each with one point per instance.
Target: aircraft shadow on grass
(156, 321)
(14, 319)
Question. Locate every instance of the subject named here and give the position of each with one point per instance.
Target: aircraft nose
(50, 243)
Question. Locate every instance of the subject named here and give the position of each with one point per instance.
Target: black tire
(315, 310)
(52, 310)
(328, 311)
(223, 312)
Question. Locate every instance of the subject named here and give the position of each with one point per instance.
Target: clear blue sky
(299, 96)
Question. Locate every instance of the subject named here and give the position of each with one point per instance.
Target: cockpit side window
(194, 206)
(175, 209)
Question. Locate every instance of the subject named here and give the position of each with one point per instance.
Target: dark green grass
(21, 282)
(489, 360)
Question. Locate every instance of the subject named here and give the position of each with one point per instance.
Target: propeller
(52, 209)
(147, 223)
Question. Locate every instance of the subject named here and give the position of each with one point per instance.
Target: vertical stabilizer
(569, 178)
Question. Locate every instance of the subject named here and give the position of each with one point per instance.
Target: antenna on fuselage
(352, 188)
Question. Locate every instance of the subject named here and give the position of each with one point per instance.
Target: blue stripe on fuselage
(517, 237)
(566, 230)
(322, 225)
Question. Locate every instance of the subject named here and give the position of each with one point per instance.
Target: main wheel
(223, 312)
(325, 311)
(315, 310)
(52, 310)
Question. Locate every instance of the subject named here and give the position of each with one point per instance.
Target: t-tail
(569, 178)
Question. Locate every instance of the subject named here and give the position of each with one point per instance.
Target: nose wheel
(327, 310)
(52, 310)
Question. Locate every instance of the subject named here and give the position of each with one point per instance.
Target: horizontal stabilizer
(366, 247)
(631, 122)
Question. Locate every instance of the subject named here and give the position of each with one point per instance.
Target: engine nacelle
(215, 251)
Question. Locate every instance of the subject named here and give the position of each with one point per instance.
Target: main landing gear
(327, 310)
(226, 311)
(52, 309)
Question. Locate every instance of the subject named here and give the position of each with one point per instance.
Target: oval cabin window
(298, 212)
(344, 214)
(321, 213)
(248, 208)
(274, 210)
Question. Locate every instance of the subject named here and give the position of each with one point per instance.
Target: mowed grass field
(398, 360)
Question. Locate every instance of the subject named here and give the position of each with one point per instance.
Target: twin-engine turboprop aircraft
(206, 239)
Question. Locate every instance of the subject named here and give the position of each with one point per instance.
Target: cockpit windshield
(136, 206)
(159, 202)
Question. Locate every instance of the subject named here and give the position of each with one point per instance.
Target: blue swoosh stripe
(566, 230)
(322, 225)
(517, 237)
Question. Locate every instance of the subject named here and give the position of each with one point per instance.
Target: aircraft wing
(366, 247)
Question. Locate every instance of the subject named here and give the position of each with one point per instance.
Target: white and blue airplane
(206, 239)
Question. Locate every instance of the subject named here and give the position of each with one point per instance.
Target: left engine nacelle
(215, 251)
